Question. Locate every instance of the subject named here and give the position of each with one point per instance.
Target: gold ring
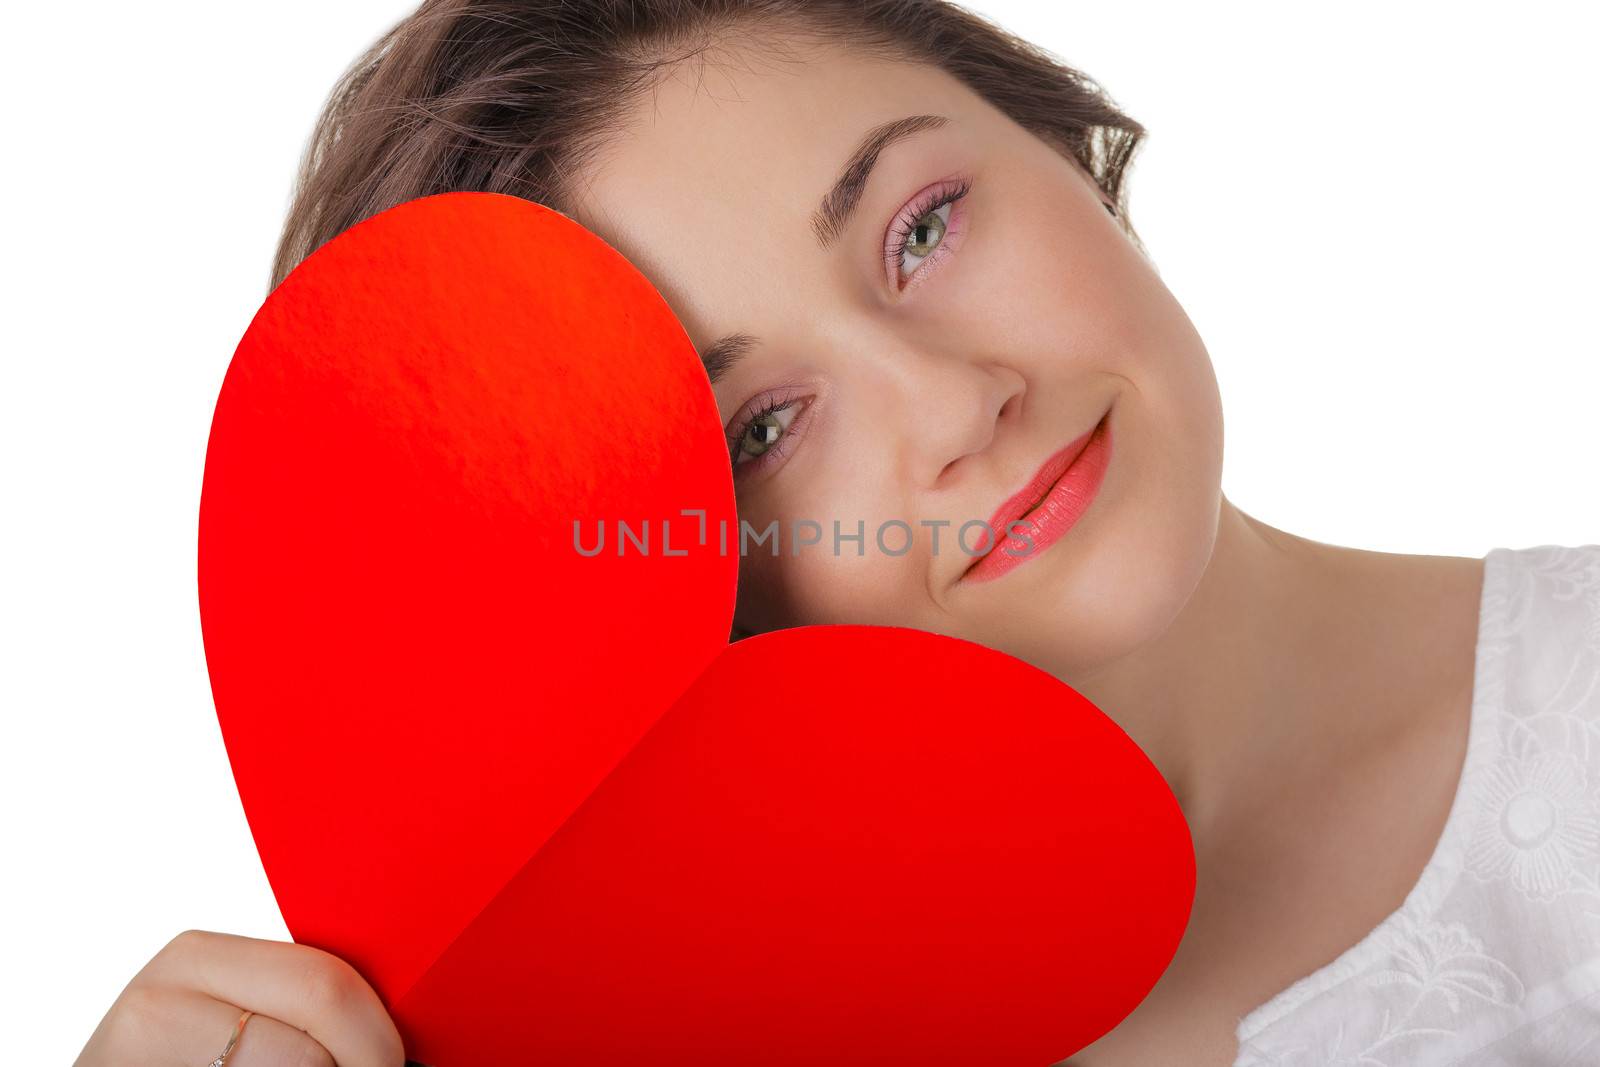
(238, 1028)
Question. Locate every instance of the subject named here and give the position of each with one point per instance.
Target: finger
(179, 1026)
(297, 985)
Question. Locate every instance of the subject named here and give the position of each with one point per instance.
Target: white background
(1382, 218)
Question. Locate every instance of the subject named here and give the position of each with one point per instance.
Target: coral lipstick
(1047, 507)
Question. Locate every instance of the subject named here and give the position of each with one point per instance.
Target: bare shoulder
(1191, 1015)
(1420, 630)
(1295, 886)
(1161, 1038)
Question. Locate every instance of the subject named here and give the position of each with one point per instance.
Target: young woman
(899, 239)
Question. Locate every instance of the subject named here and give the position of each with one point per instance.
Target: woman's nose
(961, 415)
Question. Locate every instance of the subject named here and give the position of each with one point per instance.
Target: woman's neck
(1292, 659)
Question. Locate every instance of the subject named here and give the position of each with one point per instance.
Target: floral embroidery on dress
(1496, 950)
(1439, 974)
(1539, 826)
(1444, 960)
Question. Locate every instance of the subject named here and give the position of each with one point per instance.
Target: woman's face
(925, 383)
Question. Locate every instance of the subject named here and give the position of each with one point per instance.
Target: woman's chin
(1114, 582)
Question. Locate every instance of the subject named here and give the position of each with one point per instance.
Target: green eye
(764, 430)
(760, 435)
(916, 238)
(927, 233)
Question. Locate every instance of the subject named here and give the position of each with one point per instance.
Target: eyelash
(906, 221)
(767, 403)
(772, 402)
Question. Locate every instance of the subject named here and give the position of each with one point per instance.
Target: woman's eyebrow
(724, 353)
(834, 213)
(829, 220)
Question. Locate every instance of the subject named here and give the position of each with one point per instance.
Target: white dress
(1493, 960)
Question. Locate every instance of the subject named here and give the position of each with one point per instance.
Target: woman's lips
(1067, 483)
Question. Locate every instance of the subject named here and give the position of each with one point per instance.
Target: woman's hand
(312, 1009)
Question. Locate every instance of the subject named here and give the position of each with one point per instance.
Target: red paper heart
(467, 753)
(418, 677)
(844, 845)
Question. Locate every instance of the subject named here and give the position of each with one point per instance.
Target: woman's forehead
(723, 168)
(734, 112)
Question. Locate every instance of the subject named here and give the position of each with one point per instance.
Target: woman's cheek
(818, 578)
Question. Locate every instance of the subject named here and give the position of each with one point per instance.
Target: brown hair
(508, 96)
